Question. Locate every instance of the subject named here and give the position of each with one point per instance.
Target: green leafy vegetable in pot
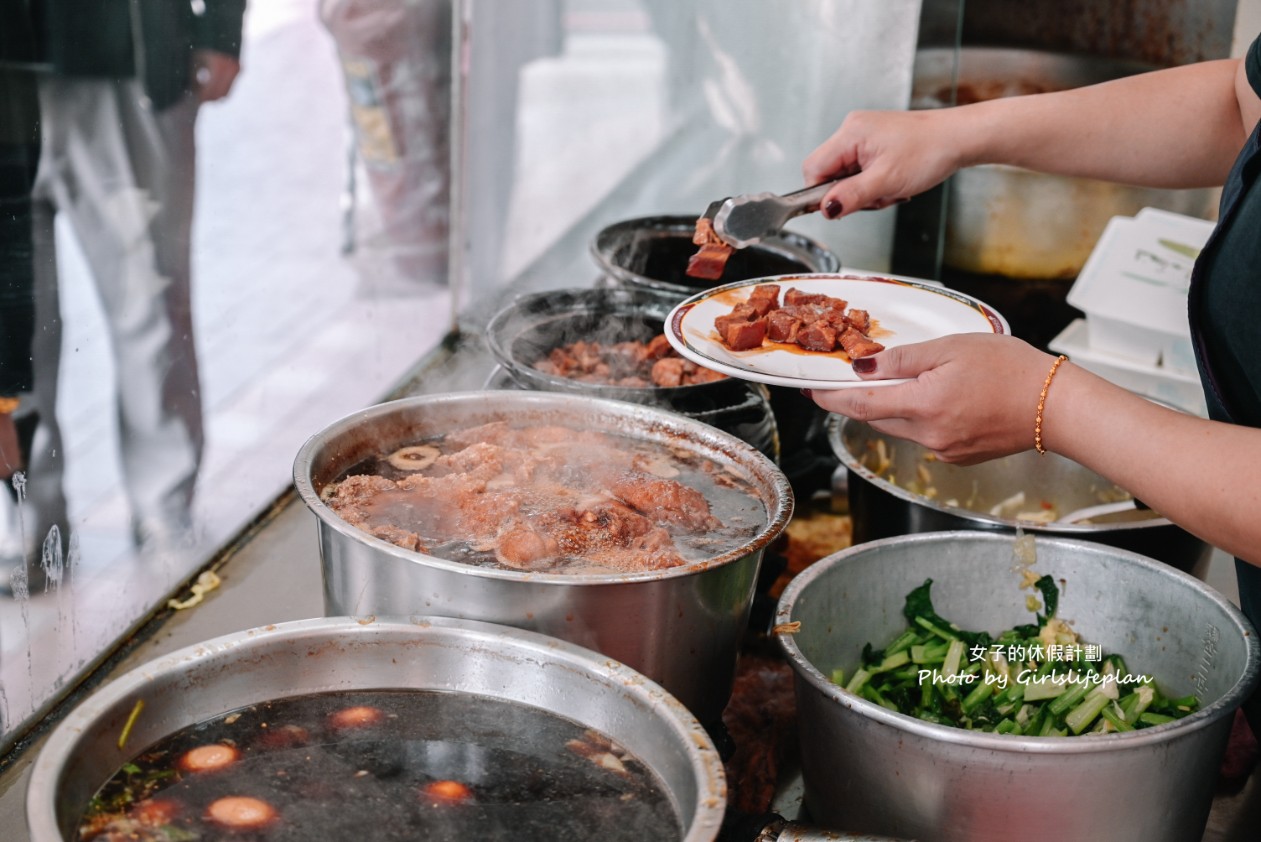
(1037, 679)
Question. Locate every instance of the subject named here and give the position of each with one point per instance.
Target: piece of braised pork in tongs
(740, 221)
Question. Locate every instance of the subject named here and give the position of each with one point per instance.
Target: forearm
(1180, 127)
(1201, 474)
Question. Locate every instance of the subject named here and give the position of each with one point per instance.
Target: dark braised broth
(551, 498)
(383, 765)
(665, 259)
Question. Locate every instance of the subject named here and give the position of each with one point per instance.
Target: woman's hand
(970, 397)
(10, 452)
(889, 156)
(213, 74)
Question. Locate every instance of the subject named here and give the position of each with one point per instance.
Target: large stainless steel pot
(1010, 221)
(871, 769)
(681, 627)
(527, 328)
(898, 500)
(652, 253)
(340, 653)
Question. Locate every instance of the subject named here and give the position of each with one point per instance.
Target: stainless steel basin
(681, 627)
(870, 769)
(914, 493)
(342, 653)
(1014, 222)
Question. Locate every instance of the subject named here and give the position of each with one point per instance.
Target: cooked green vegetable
(1035, 679)
(1050, 597)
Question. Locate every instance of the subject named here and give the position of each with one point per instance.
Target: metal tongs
(741, 221)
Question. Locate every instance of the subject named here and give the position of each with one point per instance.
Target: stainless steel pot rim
(590, 301)
(706, 762)
(500, 379)
(779, 510)
(1202, 718)
(1082, 530)
(788, 244)
(971, 63)
(686, 224)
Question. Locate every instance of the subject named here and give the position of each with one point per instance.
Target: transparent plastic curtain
(574, 115)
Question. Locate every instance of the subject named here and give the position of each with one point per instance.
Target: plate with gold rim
(902, 311)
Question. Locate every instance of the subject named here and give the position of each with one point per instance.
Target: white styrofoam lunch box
(1133, 288)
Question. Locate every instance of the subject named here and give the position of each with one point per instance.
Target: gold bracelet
(1046, 387)
(8, 406)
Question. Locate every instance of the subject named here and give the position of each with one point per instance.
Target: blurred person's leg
(45, 504)
(124, 178)
(19, 156)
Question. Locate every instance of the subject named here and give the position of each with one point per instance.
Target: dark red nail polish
(807, 394)
(864, 365)
(832, 209)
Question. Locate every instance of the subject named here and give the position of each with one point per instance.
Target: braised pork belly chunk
(551, 498)
(710, 259)
(638, 365)
(811, 321)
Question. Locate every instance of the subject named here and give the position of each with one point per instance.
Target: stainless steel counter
(275, 576)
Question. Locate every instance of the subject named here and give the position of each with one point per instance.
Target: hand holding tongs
(741, 221)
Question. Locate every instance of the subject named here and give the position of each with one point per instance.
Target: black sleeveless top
(1225, 313)
(1225, 299)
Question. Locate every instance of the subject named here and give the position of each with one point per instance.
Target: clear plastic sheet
(612, 111)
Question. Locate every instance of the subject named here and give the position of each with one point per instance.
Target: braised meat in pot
(550, 498)
(629, 363)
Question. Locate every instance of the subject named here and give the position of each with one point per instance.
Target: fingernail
(807, 394)
(832, 209)
(865, 365)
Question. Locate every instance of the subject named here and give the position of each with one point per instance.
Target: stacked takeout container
(1133, 290)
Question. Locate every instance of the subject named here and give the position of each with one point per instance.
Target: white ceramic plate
(902, 311)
